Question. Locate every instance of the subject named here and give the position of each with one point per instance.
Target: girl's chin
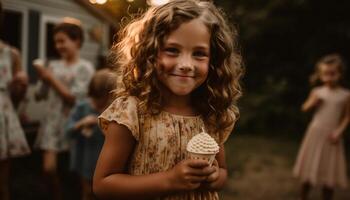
(331, 83)
(181, 92)
(63, 55)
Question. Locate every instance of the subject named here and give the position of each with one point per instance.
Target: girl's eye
(171, 51)
(200, 54)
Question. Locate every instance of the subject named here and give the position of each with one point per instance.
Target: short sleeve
(82, 79)
(225, 134)
(122, 111)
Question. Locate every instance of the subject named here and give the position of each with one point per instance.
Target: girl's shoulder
(84, 104)
(83, 63)
(125, 102)
(318, 89)
(81, 108)
(54, 62)
(124, 111)
(345, 91)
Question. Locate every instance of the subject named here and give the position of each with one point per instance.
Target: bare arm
(16, 61)
(345, 120)
(112, 181)
(60, 88)
(19, 83)
(311, 102)
(17, 72)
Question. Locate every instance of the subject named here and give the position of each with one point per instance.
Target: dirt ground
(259, 169)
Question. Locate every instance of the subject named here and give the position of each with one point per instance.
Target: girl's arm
(112, 181)
(75, 116)
(16, 62)
(343, 123)
(19, 83)
(217, 180)
(89, 120)
(60, 88)
(312, 101)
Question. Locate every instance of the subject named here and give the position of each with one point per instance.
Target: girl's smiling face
(65, 46)
(329, 74)
(183, 61)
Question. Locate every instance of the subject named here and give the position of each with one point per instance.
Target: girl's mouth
(183, 75)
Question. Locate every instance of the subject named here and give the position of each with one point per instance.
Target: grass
(260, 167)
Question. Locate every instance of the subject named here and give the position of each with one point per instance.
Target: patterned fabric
(84, 150)
(319, 161)
(76, 78)
(12, 139)
(161, 140)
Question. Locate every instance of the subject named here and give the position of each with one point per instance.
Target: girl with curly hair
(321, 159)
(180, 71)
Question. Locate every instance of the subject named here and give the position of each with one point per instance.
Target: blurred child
(82, 127)
(321, 159)
(68, 80)
(180, 71)
(12, 138)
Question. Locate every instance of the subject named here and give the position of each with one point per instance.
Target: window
(12, 28)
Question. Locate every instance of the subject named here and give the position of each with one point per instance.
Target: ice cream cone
(202, 146)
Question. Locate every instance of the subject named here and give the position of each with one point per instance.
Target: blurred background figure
(82, 128)
(321, 159)
(68, 79)
(13, 83)
(280, 40)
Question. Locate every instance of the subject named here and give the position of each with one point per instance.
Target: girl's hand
(213, 177)
(86, 132)
(334, 137)
(315, 99)
(87, 121)
(312, 101)
(21, 78)
(189, 174)
(18, 86)
(43, 73)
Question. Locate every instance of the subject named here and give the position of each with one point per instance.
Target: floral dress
(161, 140)
(12, 138)
(76, 78)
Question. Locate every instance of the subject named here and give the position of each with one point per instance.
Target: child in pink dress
(321, 159)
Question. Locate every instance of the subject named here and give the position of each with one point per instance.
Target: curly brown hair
(72, 30)
(102, 84)
(136, 52)
(332, 60)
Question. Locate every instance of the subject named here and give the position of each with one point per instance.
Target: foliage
(280, 42)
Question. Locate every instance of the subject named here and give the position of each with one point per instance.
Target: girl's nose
(186, 68)
(186, 64)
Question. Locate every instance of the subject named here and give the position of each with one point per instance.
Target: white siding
(53, 10)
(65, 8)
